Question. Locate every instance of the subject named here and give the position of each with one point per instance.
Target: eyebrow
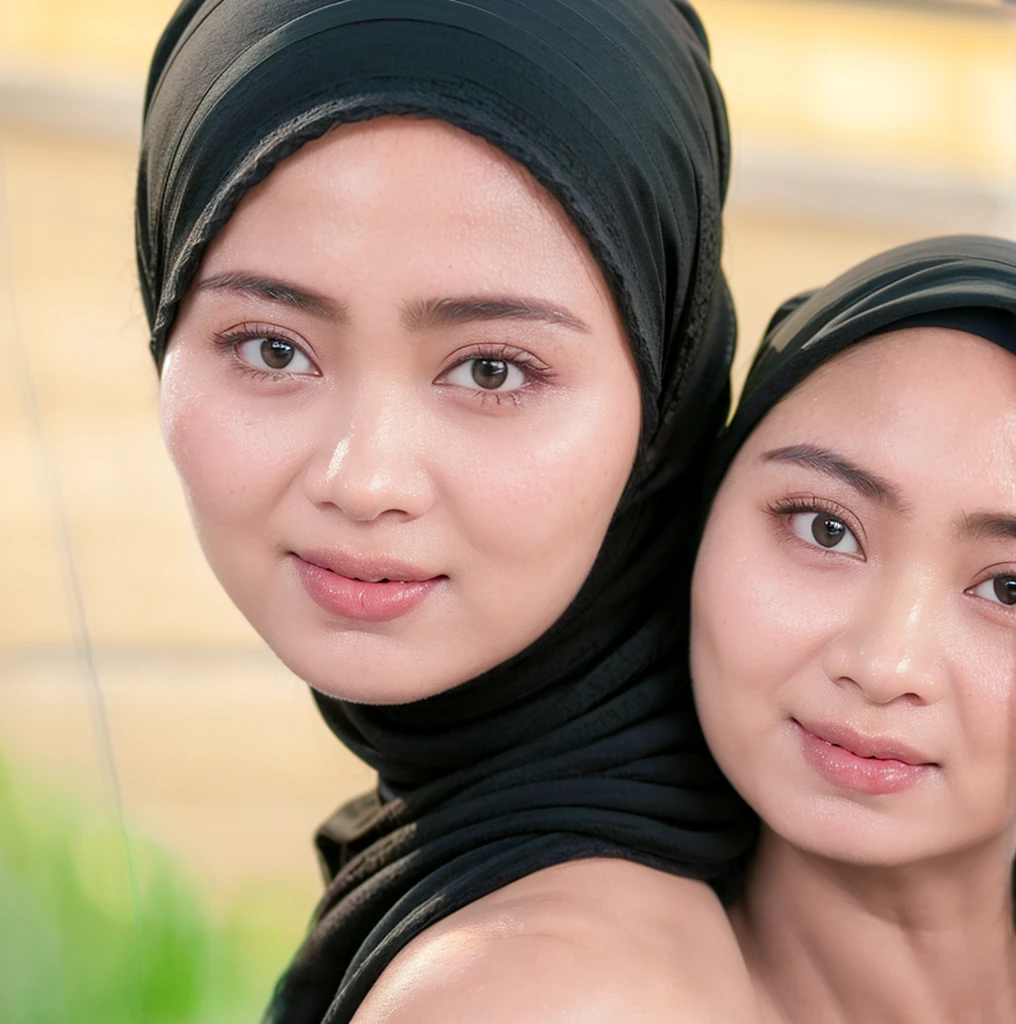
(825, 461)
(450, 312)
(276, 291)
(416, 315)
(987, 526)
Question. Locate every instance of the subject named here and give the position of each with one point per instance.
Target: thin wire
(82, 637)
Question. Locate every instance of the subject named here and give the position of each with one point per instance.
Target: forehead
(425, 181)
(934, 409)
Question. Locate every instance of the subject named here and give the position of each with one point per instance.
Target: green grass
(81, 942)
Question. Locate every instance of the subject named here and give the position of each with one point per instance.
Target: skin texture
(591, 942)
(873, 906)
(375, 441)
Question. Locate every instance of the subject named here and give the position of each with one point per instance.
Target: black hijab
(967, 282)
(586, 743)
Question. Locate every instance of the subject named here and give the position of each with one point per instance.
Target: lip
(364, 588)
(367, 568)
(867, 764)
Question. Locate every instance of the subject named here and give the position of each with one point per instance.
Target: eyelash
(1000, 607)
(230, 340)
(536, 372)
(784, 508)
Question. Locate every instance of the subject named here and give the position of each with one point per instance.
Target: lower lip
(365, 602)
(864, 774)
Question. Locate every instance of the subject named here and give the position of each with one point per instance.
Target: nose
(893, 646)
(369, 463)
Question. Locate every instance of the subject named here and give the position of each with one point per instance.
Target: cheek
(759, 624)
(985, 697)
(744, 620)
(233, 463)
(545, 494)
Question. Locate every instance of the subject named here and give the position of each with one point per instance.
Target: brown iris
(276, 353)
(827, 531)
(490, 373)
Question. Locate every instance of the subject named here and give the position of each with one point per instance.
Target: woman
(434, 288)
(853, 641)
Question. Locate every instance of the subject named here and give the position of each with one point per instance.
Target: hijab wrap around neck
(965, 282)
(585, 744)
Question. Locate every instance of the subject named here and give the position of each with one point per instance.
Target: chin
(363, 667)
(384, 663)
(361, 671)
(842, 830)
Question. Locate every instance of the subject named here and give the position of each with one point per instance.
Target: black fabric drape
(586, 744)
(967, 282)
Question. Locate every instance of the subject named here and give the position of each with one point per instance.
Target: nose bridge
(893, 645)
(368, 460)
(365, 440)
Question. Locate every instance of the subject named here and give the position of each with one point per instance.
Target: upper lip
(367, 568)
(885, 748)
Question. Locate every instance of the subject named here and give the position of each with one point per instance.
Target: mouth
(874, 765)
(870, 748)
(384, 579)
(368, 569)
(364, 589)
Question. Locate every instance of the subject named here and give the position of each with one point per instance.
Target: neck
(831, 943)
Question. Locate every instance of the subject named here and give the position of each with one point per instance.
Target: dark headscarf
(586, 743)
(967, 282)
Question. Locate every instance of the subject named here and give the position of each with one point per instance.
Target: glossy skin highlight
(400, 362)
(892, 632)
(379, 265)
(853, 651)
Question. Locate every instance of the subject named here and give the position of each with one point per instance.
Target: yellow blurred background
(857, 126)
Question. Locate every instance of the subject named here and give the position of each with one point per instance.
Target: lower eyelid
(811, 542)
(464, 366)
(993, 599)
(814, 505)
(234, 342)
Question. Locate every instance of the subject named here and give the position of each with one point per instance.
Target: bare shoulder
(586, 942)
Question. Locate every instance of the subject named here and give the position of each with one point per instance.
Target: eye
(825, 531)
(274, 355)
(1000, 589)
(488, 374)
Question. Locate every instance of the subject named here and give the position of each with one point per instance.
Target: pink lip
(868, 764)
(365, 589)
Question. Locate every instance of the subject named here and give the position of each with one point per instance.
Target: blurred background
(138, 711)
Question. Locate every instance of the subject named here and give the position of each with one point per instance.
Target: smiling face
(854, 605)
(403, 408)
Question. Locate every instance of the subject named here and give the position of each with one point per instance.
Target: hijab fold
(586, 743)
(965, 282)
